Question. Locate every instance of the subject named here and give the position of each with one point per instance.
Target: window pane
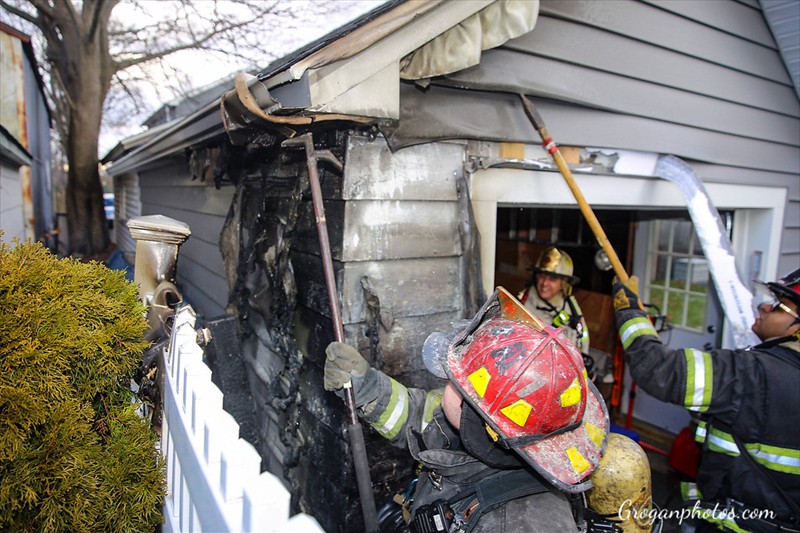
(656, 297)
(696, 313)
(681, 236)
(698, 275)
(675, 308)
(663, 230)
(680, 271)
(658, 275)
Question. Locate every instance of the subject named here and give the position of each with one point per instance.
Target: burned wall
(403, 249)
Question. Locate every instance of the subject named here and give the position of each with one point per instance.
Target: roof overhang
(355, 77)
(12, 151)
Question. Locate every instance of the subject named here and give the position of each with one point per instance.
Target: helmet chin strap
(780, 340)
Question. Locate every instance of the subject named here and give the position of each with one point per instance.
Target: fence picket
(214, 481)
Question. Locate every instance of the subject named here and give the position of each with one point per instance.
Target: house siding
(169, 190)
(11, 217)
(627, 75)
(127, 205)
(387, 268)
(700, 80)
(722, 76)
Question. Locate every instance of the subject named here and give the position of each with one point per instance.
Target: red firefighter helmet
(529, 384)
(787, 287)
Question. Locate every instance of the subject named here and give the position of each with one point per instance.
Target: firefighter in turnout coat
(747, 404)
(549, 297)
(517, 428)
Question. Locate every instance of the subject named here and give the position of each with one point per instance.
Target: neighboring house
(447, 192)
(26, 207)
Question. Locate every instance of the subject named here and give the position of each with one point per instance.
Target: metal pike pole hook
(552, 148)
(357, 446)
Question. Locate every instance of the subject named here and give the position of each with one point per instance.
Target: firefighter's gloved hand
(344, 364)
(626, 295)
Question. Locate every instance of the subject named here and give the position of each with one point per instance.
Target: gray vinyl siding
(127, 205)
(701, 80)
(169, 190)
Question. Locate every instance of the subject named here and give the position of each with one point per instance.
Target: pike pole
(552, 148)
(354, 431)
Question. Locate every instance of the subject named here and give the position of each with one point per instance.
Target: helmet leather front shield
(529, 384)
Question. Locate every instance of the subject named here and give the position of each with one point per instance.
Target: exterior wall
(609, 74)
(11, 217)
(404, 268)
(168, 189)
(23, 112)
(127, 205)
(614, 75)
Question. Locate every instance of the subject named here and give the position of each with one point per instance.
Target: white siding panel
(204, 199)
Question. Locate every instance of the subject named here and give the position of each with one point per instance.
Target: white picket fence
(214, 482)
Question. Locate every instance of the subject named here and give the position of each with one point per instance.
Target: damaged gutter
(206, 123)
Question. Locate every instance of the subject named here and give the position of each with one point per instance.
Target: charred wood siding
(170, 190)
(404, 267)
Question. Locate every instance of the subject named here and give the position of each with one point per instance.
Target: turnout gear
(343, 365)
(467, 479)
(626, 295)
(746, 401)
(562, 309)
(531, 388)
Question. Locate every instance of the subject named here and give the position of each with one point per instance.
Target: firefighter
(746, 402)
(549, 297)
(516, 430)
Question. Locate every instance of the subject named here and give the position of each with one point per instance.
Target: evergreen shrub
(74, 454)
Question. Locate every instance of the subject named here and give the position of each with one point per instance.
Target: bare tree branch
(102, 10)
(20, 13)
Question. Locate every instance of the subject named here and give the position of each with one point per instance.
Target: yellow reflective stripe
(786, 460)
(721, 442)
(395, 415)
(635, 328)
(700, 432)
(432, 400)
(776, 458)
(699, 380)
(723, 522)
(689, 491)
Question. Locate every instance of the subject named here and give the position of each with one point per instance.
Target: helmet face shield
(528, 383)
(770, 293)
(762, 295)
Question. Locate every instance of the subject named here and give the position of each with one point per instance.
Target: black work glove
(626, 295)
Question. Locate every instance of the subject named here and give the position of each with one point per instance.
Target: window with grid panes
(677, 278)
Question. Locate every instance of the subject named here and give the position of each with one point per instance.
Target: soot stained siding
(405, 266)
